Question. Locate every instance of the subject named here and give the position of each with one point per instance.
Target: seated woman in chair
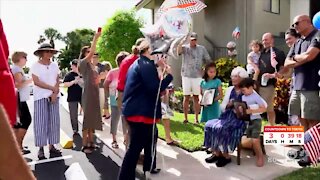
(223, 135)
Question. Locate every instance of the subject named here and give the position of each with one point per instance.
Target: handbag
(208, 97)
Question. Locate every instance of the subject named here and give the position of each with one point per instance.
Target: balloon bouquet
(173, 26)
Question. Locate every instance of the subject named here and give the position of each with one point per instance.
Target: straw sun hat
(45, 47)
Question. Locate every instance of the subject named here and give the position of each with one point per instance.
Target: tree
(119, 34)
(74, 40)
(50, 35)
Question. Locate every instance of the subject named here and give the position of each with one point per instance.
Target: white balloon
(176, 22)
(165, 35)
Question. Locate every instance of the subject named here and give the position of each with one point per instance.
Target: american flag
(312, 143)
(191, 6)
(273, 60)
(236, 33)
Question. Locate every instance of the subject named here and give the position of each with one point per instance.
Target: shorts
(305, 104)
(254, 128)
(104, 104)
(268, 93)
(24, 116)
(191, 86)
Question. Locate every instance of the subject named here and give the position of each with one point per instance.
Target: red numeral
(290, 135)
(298, 135)
(282, 135)
(270, 135)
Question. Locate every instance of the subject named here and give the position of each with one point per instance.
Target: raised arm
(93, 46)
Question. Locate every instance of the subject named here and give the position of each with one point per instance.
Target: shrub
(224, 67)
(281, 99)
(176, 101)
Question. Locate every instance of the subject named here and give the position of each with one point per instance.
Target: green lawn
(190, 135)
(305, 173)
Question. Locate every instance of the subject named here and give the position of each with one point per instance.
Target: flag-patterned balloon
(191, 6)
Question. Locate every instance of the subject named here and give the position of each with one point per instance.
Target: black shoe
(25, 151)
(41, 155)
(155, 171)
(208, 151)
(304, 162)
(212, 159)
(55, 152)
(223, 161)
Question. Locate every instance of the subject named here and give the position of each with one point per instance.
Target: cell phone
(99, 29)
(49, 99)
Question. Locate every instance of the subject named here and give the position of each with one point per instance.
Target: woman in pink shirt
(110, 85)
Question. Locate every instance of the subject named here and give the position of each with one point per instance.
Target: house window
(272, 6)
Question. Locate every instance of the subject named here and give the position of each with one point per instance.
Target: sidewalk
(176, 163)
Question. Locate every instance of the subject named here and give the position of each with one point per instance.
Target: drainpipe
(152, 15)
(245, 32)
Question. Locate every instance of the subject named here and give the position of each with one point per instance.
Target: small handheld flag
(236, 33)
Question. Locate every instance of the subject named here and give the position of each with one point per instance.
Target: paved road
(95, 166)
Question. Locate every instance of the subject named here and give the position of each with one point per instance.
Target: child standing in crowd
(72, 81)
(256, 106)
(22, 83)
(166, 111)
(253, 59)
(210, 81)
(103, 69)
(110, 86)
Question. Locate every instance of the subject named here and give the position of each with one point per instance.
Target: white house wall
(298, 7)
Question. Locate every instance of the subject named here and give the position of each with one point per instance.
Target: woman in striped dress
(45, 75)
(223, 135)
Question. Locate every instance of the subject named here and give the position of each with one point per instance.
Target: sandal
(41, 155)
(173, 143)
(86, 149)
(196, 122)
(93, 146)
(54, 152)
(185, 121)
(115, 145)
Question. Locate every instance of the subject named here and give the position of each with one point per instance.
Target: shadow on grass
(189, 135)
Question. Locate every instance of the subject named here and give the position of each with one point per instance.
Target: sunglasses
(47, 51)
(296, 23)
(96, 54)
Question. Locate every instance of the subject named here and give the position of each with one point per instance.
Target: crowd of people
(137, 92)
